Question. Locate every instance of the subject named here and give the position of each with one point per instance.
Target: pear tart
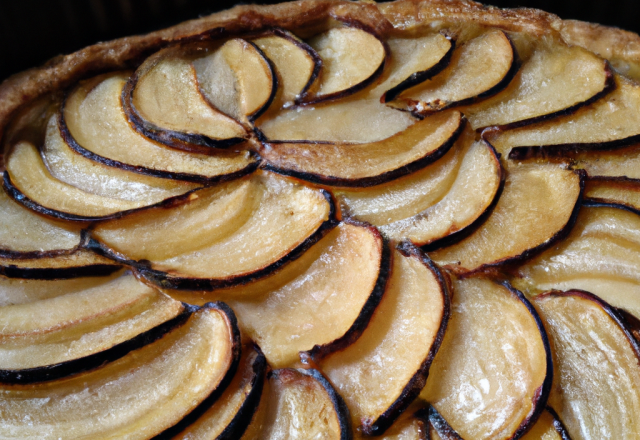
(324, 219)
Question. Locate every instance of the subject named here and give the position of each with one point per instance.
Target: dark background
(32, 31)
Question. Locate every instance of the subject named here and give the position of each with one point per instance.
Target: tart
(328, 220)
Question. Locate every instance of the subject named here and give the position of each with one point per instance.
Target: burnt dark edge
(304, 99)
(563, 150)
(341, 409)
(94, 270)
(199, 410)
(632, 323)
(90, 362)
(242, 419)
(387, 176)
(558, 425)
(421, 76)
(542, 394)
(466, 231)
(596, 203)
(366, 313)
(419, 378)
(609, 310)
(71, 142)
(190, 142)
(19, 197)
(558, 236)
(441, 426)
(274, 84)
(609, 86)
(494, 90)
(167, 281)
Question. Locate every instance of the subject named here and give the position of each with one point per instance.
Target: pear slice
(237, 79)
(295, 62)
(302, 404)
(413, 61)
(599, 255)
(478, 68)
(514, 231)
(352, 58)
(548, 427)
(25, 234)
(383, 371)
(94, 124)
(555, 79)
(622, 163)
(494, 363)
(610, 122)
(314, 303)
(442, 199)
(229, 416)
(411, 425)
(222, 235)
(589, 336)
(144, 393)
(623, 193)
(54, 337)
(345, 164)
(163, 102)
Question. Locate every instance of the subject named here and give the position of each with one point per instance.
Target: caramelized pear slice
(345, 164)
(548, 427)
(354, 120)
(623, 193)
(601, 255)
(515, 230)
(478, 68)
(94, 124)
(554, 80)
(444, 198)
(24, 233)
(163, 102)
(302, 404)
(607, 123)
(55, 337)
(228, 234)
(314, 303)
(229, 416)
(413, 61)
(352, 58)
(143, 393)
(295, 62)
(494, 363)
(237, 79)
(589, 337)
(383, 371)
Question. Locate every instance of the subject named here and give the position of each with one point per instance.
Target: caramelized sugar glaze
(324, 219)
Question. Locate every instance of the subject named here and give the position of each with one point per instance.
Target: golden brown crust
(621, 47)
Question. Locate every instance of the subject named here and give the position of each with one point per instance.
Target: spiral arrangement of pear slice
(385, 221)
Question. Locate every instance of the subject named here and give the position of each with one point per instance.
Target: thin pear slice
(24, 233)
(352, 58)
(515, 230)
(601, 255)
(442, 199)
(413, 61)
(295, 62)
(548, 427)
(302, 404)
(494, 363)
(144, 393)
(609, 122)
(55, 337)
(383, 371)
(478, 68)
(228, 234)
(94, 124)
(589, 337)
(357, 120)
(621, 193)
(314, 303)
(345, 164)
(237, 79)
(163, 102)
(554, 80)
(229, 416)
